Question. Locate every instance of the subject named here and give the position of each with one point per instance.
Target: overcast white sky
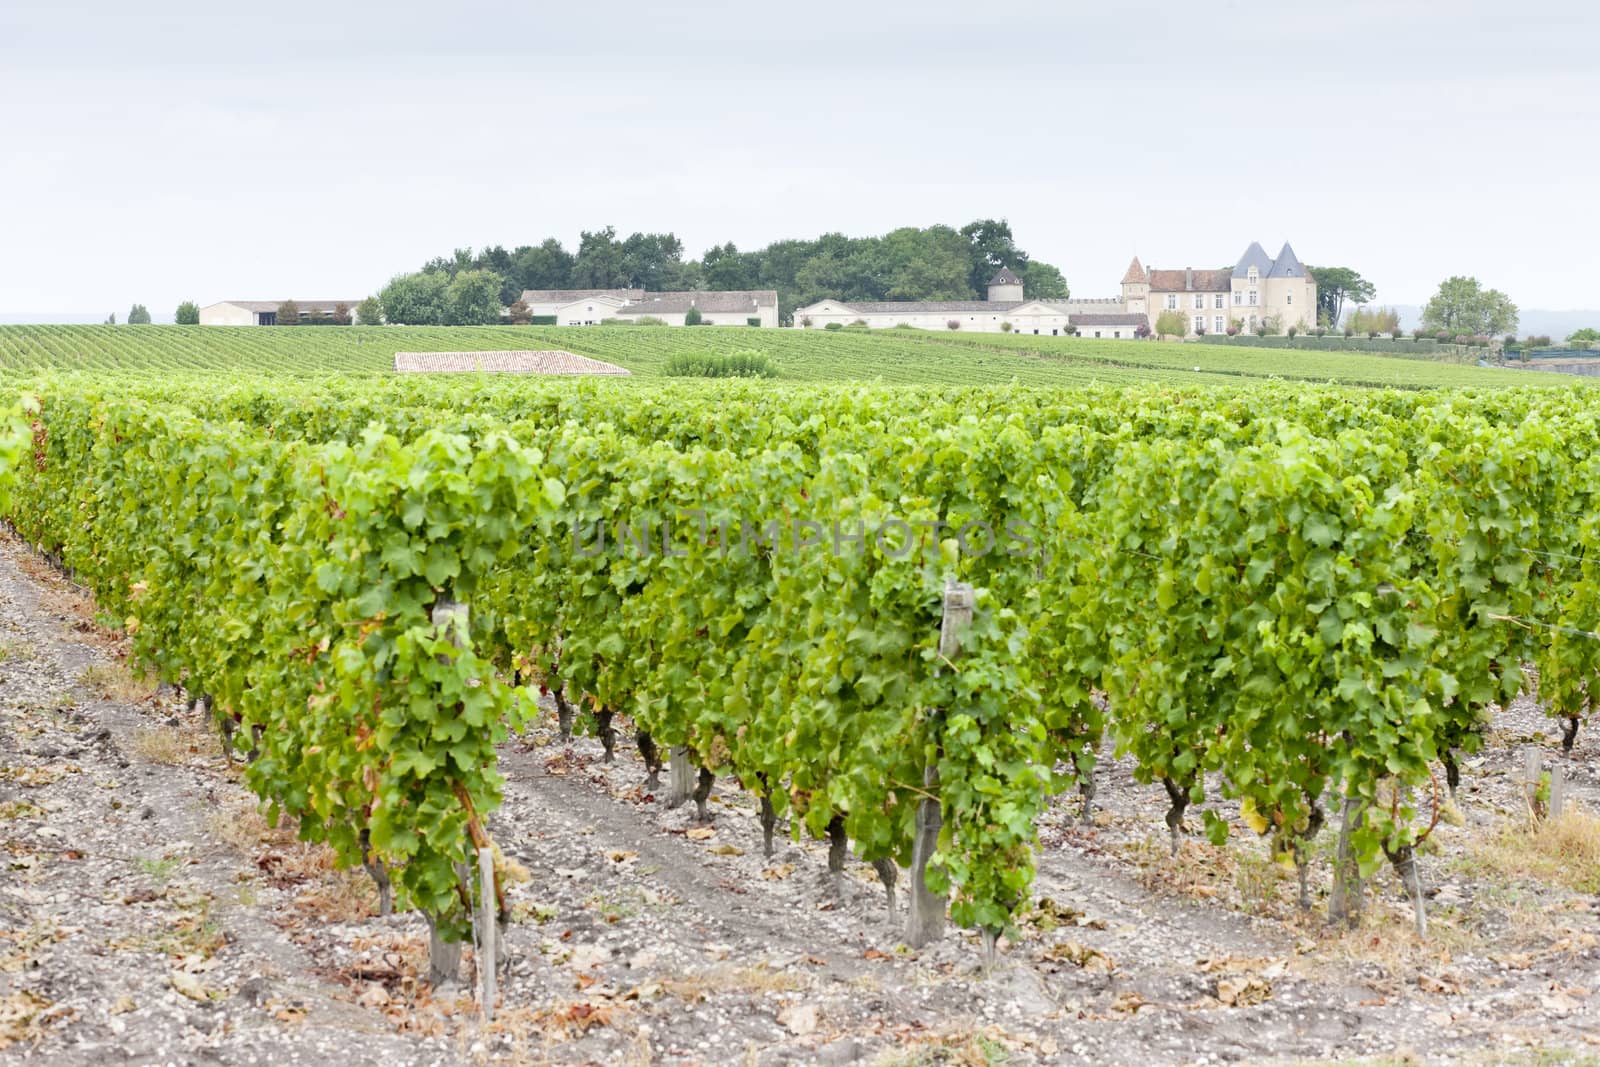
(177, 149)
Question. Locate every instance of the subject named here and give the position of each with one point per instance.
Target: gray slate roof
(568, 296)
(709, 301)
(1287, 265)
(313, 307)
(942, 307)
(1254, 256)
(1109, 319)
(1005, 277)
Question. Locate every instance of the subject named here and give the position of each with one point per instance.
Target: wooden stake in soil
(925, 920)
(487, 923)
(444, 957)
(1532, 759)
(680, 777)
(1558, 790)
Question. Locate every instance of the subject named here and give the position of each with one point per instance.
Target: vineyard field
(1260, 640)
(892, 356)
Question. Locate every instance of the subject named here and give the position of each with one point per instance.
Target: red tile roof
(548, 362)
(1187, 281)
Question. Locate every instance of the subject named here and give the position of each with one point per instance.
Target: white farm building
(590, 307)
(1005, 310)
(265, 312)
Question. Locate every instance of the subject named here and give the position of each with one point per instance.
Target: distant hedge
(543, 320)
(1425, 348)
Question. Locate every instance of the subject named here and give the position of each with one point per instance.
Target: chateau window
(1238, 298)
(1254, 275)
(1199, 324)
(1252, 298)
(1172, 302)
(1218, 325)
(1218, 302)
(1288, 298)
(1199, 301)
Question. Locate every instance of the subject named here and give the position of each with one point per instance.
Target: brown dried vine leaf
(700, 833)
(778, 873)
(1089, 959)
(1243, 990)
(1445, 984)
(23, 1017)
(727, 850)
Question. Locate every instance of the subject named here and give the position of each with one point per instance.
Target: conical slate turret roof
(1287, 265)
(1135, 274)
(1254, 256)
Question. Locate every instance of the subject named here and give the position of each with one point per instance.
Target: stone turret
(1136, 287)
(1005, 286)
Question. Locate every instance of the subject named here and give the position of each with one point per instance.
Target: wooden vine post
(487, 930)
(925, 919)
(444, 957)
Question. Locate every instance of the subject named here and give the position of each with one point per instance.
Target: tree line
(911, 263)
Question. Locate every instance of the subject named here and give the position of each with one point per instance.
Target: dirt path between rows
(148, 914)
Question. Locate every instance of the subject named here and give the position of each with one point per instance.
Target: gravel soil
(148, 914)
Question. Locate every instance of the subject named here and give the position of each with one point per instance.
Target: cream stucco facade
(1006, 310)
(1258, 289)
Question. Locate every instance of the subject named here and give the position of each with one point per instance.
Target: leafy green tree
(188, 314)
(473, 299)
(542, 266)
(692, 317)
(913, 264)
(139, 316)
(288, 313)
(1375, 320)
(1044, 282)
(1335, 285)
(990, 246)
(1463, 306)
(1586, 336)
(111, 319)
(725, 267)
(415, 299)
(1171, 324)
(600, 261)
(653, 261)
(369, 312)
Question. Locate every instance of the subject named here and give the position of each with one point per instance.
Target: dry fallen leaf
(727, 850)
(1082, 955)
(700, 833)
(1243, 990)
(191, 987)
(778, 873)
(1443, 983)
(617, 855)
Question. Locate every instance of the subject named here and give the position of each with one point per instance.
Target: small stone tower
(1136, 288)
(1005, 286)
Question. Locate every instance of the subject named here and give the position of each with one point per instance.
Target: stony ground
(148, 914)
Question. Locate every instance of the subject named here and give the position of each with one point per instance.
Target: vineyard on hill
(890, 356)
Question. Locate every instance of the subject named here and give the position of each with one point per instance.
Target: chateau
(1258, 289)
